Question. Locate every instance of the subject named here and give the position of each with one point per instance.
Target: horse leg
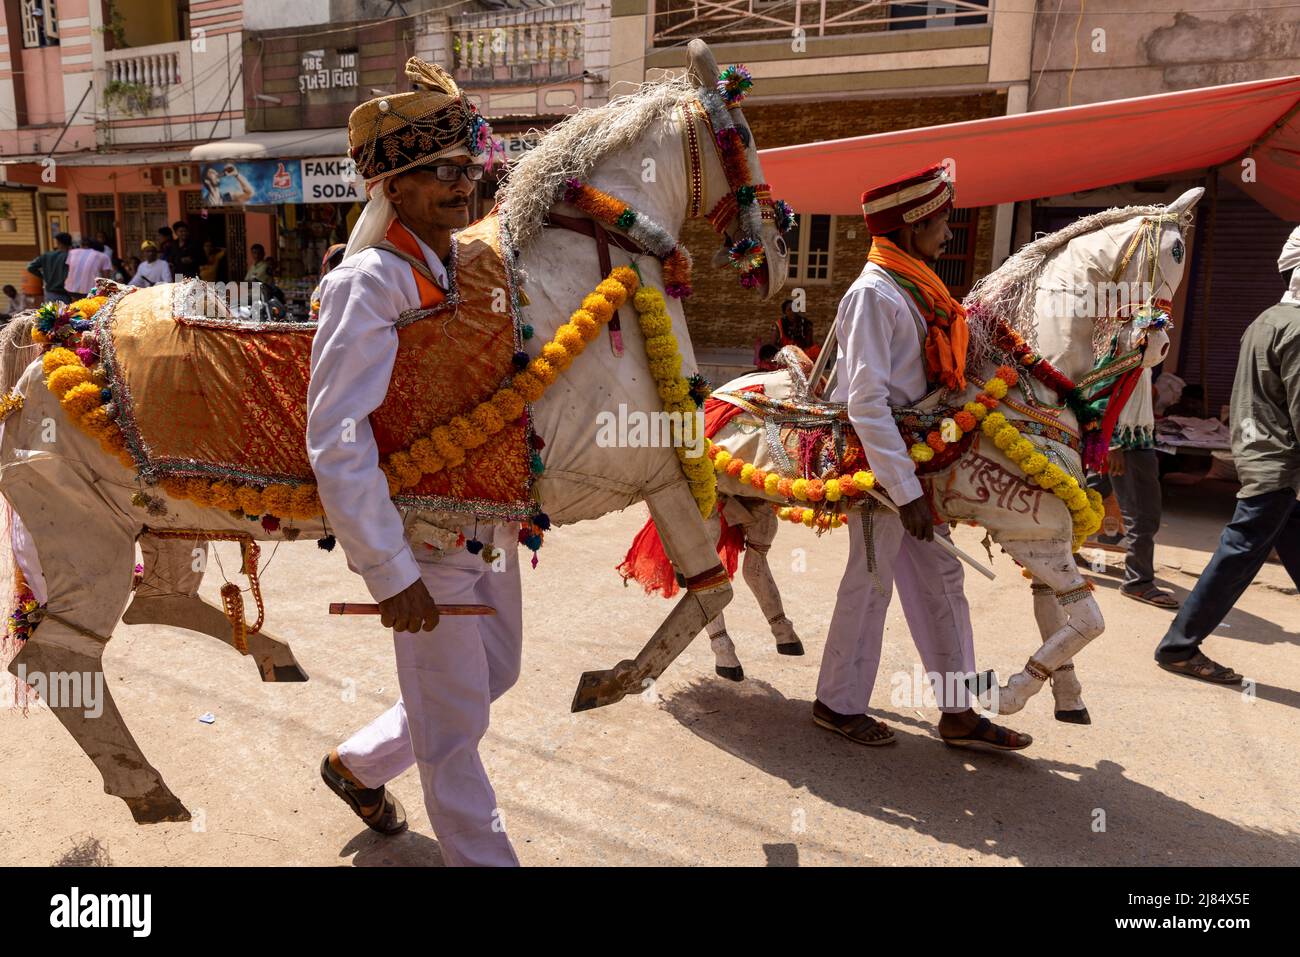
(686, 540)
(1050, 562)
(725, 662)
(1066, 689)
(87, 571)
(759, 535)
(168, 595)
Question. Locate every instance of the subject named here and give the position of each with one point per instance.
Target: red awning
(1031, 155)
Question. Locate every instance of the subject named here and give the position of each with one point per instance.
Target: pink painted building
(101, 102)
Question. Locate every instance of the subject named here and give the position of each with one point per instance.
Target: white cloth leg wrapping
(449, 677)
(930, 586)
(25, 557)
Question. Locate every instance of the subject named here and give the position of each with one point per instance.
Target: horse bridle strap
(604, 238)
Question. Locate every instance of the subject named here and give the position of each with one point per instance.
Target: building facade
(100, 102)
(1088, 52)
(825, 71)
(122, 116)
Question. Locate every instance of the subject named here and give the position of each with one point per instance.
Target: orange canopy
(1031, 155)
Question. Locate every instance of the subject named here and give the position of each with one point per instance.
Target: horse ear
(703, 67)
(1185, 202)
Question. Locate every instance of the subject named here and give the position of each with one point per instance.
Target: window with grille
(937, 13)
(142, 216)
(40, 21)
(812, 244)
(957, 265)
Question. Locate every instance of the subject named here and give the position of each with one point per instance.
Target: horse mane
(17, 351)
(572, 149)
(1009, 291)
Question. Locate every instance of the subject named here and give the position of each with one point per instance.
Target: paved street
(710, 772)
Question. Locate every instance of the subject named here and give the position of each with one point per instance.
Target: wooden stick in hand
(363, 608)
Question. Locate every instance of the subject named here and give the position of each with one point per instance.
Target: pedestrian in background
(52, 268)
(1265, 419)
(86, 263)
(1133, 474)
(152, 270)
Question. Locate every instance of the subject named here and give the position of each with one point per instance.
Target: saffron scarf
(947, 335)
(403, 239)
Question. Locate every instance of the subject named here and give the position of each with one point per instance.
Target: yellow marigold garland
(665, 367)
(1085, 505)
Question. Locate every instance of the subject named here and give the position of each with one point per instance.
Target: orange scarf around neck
(403, 239)
(947, 335)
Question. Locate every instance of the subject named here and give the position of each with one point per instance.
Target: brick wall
(723, 315)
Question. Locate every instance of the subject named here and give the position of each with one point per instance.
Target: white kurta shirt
(880, 363)
(152, 273)
(352, 360)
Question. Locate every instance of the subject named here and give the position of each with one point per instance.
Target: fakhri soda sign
(275, 182)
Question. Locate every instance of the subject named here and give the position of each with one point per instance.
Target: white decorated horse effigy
(154, 417)
(1052, 368)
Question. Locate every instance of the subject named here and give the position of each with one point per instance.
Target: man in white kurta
(449, 675)
(881, 362)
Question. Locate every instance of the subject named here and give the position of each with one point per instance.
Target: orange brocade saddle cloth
(223, 397)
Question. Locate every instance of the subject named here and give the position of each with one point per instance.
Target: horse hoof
(731, 674)
(292, 672)
(1074, 717)
(794, 648)
(157, 806)
(982, 683)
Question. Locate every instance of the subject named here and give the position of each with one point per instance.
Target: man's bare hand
(917, 519)
(1115, 462)
(411, 609)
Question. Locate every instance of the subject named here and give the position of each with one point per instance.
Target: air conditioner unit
(169, 176)
(146, 174)
(186, 175)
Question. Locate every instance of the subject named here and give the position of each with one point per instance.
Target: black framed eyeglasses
(451, 172)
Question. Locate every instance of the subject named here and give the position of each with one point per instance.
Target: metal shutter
(1246, 242)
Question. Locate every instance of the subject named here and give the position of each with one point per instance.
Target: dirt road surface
(702, 771)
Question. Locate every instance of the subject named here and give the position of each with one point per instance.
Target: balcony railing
(156, 67)
(518, 45)
(676, 21)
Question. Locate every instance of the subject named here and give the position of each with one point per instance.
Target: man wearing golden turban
(420, 154)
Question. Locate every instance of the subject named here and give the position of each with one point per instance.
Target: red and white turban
(908, 200)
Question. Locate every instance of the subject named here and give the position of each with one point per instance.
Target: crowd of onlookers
(69, 270)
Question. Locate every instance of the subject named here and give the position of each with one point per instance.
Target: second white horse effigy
(1049, 369)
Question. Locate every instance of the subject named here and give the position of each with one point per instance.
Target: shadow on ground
(1036, 811)
(408, 849)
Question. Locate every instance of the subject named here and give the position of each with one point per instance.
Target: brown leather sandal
(858, 728)
(1004, 739)
(388, 818)
(1203, 669)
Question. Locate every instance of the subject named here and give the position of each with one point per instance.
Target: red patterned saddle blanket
(222, 397)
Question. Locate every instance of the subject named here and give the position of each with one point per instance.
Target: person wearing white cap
(418, 155)
(1265, 424)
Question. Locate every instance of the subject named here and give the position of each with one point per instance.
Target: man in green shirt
(52, 267)
(1265, 425)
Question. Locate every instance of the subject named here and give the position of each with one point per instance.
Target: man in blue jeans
(1265, 424)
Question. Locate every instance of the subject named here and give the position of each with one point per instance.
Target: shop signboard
(276, 182)
(330, 181)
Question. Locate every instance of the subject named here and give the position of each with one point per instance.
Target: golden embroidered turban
(391, 134)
